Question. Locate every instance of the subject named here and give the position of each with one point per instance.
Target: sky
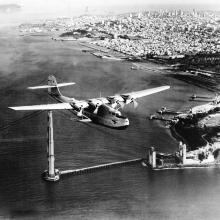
(31, 4)
(115, 2)
(78, 6)
(111, 2)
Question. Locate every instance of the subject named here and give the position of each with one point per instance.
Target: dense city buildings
(155, 34)
(165, 33)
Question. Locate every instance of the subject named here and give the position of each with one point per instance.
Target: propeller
(128, 99)
(116, 101)
(121, 105)
(80, 104)
(135, 103)
(80, 113)
(95, 102)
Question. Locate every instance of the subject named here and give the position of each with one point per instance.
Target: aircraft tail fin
(53, 86)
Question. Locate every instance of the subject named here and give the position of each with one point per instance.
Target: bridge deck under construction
(102, 166)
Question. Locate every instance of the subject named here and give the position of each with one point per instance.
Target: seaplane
(103, 111)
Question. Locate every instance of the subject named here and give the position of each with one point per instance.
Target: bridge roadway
(102, 166)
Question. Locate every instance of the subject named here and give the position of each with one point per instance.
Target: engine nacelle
(127, 99)
(80, 104)
(95, 102)
(116, 98)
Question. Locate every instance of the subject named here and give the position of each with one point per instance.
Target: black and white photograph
(110, 110)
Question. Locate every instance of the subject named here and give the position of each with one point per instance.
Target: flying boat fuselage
(107, 116)
(103, 114)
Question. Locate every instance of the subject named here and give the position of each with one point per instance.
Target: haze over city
(67, 7)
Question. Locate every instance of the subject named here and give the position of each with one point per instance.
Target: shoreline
(174, 132)
(167, 64)
(112, 54)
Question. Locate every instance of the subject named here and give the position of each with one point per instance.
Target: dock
(102, 166)
(160, 118)
(95, 47)
(63, 39)
(168, 112)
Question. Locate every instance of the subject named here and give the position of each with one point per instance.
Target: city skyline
(57, 6)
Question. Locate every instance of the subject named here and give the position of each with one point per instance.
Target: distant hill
(9, 8)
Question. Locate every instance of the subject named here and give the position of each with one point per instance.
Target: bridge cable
(15, 122)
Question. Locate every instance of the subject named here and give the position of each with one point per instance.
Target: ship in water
(106, 56)
(111, 57)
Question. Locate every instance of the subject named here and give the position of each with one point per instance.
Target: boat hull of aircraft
(107, 121)
(102, 116)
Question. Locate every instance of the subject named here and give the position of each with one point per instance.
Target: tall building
(86, 10)
(139, 15)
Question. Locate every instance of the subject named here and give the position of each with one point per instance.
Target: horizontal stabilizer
(47, 86)
(57, 106)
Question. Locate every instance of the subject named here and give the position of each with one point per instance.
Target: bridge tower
(152, 157)
(51, 174)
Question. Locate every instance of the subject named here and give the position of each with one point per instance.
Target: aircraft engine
(115, 99)
(80, 105)
(129, 99)
(95, 102)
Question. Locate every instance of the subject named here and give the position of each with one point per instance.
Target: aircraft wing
(126, 98)
(81, 104)
(43, 107)
(146, 92)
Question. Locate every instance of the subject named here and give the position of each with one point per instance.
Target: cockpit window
(120, 116)
(117, 115)
(112, 113)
